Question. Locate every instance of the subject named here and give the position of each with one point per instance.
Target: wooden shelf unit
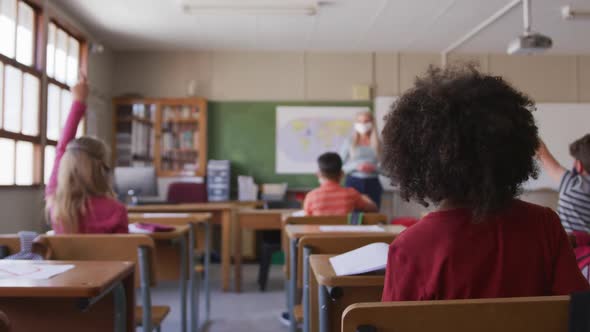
(173, 134)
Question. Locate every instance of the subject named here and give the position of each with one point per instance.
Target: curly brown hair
(463, 136)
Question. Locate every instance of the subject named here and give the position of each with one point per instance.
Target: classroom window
(17, 29)
(62, 68)
(31, 105)
(26, 147)
(8, 27)
(20, 93)
(24, 34)
(12, 99)
(7, 164)
(24, 163)
(49, 158)
(63, 55)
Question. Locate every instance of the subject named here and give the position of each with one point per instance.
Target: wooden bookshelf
(170, 134)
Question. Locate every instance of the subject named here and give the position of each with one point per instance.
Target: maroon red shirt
(522, 251)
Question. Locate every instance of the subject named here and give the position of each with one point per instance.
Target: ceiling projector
(530, 43)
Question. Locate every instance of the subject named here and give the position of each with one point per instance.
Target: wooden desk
(190, 220)
(93, 296)
(254, 220)
(294, 233)
(334, 294)
(222, 213)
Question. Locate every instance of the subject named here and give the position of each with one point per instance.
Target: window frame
(82, 59)
(38, 68)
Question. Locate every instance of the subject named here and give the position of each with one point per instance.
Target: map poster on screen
(303, 133)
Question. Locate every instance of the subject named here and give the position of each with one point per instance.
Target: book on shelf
(187, 140)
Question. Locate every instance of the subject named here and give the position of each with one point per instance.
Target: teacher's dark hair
(330, 165)
(461, 135)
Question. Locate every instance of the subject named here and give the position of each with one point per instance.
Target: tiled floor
(249, 311)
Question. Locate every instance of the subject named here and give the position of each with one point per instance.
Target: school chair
(534, 314)
(326, 245)
(135, 248)
(368, 219)
(186, 192)
(9, 244)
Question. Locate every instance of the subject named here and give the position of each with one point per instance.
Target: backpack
(583, 258)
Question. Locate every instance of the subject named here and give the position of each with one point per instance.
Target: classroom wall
(242, 81)
(313, 76)
(23, 208)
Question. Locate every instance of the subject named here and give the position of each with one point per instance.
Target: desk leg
(120, 305)
(324, 307)
(306, 311)
(193, 287)
(145, 284)
(182, 286)
(293, 284)
(237, 256)
(207, 271)
(226, 218)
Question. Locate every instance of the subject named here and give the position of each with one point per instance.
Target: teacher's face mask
(363, 128)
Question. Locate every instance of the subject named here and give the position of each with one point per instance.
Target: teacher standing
(360, 154)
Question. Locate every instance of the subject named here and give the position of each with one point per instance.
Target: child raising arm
(574, 186)
(79, 195)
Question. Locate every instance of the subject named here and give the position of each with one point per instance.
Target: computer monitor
(142, 180)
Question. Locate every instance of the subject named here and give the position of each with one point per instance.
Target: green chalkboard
(244, 132)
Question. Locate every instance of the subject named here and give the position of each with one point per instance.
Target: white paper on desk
(300, 213)
(133, 229)
(165, 215)
(351, 228)
(372, 257)
(32, 271)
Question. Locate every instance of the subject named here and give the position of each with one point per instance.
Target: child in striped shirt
(331, 199)
(574, 188)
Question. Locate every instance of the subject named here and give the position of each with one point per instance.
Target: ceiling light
(251, 7)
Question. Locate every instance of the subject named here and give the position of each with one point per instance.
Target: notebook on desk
(351, 228)
(369, 258)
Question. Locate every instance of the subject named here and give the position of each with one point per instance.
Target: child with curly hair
(466, 141)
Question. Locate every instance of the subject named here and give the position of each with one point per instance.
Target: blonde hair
(83, 173)
(375, 142)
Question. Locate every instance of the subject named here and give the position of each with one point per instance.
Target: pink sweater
(105, 214)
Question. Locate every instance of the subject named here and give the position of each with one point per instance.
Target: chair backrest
(9, 244)
(484, 315)
(368, 219)
(336, 244)
(99, 247)
(341, 243)
(186, 192)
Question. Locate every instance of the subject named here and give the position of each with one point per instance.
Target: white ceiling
(340, 25)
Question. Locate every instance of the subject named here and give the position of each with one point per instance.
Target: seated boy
(574, 188)
(331, 198)
(466, 141)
